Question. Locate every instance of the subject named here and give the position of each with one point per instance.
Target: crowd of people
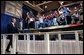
(62, 17)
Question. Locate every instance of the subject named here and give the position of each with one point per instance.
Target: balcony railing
(45, 46)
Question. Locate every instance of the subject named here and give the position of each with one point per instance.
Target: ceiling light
(45, 6)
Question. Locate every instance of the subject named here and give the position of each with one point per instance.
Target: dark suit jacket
(12, 29)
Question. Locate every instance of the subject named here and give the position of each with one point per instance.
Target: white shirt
(40, 20)
(31, 19)
(77, 15)
(13, 24)
(54, 19)
(62, 16)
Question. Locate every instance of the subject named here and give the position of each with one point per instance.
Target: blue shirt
(65, 11)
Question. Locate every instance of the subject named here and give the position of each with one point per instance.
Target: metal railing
(45, 46)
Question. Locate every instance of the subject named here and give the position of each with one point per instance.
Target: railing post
(60, 43)
(77, 42)
(24, 37)
(28, 44)
(34, 41)
(25, 41)
(47, 43)
(17, 43)
(14, 44)
(4, 44)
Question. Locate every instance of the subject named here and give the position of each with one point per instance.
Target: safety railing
(45, 46)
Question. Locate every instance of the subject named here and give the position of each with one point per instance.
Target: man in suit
(11, 29)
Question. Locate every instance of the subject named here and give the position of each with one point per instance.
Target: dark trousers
(41, 25)
(76, 19)
(31, 25)
(10, 42)
(63, 22)
(68, 18)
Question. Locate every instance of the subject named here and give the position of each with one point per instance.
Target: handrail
(46, 32)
